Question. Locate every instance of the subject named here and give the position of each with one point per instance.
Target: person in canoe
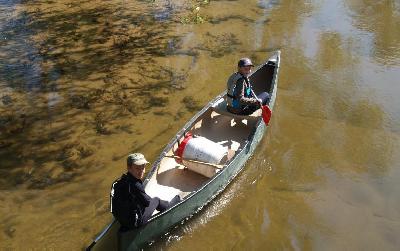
(129, 203)
(241, 98)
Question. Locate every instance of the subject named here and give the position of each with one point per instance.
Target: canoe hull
(159, 224)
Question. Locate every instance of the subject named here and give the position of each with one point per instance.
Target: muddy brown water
(84, 83)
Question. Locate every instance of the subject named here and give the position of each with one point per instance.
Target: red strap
(266, 114)
(181, 147)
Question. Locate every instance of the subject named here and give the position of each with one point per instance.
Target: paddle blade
(266, 114)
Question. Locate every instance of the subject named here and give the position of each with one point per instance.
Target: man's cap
(136, 159)
(245, 62)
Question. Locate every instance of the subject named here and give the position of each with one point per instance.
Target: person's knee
(162, 205)
(175, 201)
(266, 101)
(265, 97)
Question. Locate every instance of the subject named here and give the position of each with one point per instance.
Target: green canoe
(168, 177)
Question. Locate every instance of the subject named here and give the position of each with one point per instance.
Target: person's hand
(260, 102)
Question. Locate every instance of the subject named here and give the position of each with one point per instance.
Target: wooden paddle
(197, 162)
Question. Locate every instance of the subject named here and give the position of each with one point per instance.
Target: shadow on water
(90, 65)
(76, 55)
(104, 43)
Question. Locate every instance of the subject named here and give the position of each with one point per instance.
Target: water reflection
(323, 121)
(20, 66)
(381, 19)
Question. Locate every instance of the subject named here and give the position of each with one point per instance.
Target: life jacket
(124, 205)
(231, 90)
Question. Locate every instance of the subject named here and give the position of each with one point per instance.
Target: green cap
(136, 159)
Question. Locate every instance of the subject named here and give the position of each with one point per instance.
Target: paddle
(266, 114)
(266, 111)
(194, 161)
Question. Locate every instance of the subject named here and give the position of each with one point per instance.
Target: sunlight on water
(84, 84)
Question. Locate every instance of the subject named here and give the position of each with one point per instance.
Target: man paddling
(241, 98)
(130, 204)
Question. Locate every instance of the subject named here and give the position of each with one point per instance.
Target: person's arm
(241, 88)
(255, 96)
(141, 194)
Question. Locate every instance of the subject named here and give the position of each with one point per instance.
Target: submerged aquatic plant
(121, 41)
(85, 100)
(157, 101)
(100, 123)
(191, 104)
(220, 45)
(194, 17)
(84, 151)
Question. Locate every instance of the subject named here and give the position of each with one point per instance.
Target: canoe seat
(220, 107)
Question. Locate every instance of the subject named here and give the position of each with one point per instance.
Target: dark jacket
(128, 200)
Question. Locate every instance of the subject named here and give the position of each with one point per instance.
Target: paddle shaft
(196, 161)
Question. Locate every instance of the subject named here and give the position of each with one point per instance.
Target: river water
(84, 83)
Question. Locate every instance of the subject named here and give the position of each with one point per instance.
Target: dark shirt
(128, 200)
